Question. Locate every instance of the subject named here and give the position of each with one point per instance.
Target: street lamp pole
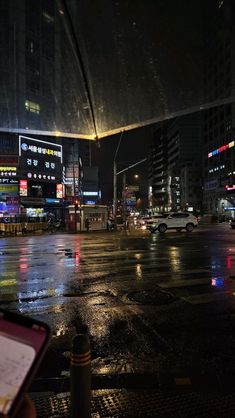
(115, 179)
(115, 174)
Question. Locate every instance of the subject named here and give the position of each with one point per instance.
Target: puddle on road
(31, 296)
(151, 297)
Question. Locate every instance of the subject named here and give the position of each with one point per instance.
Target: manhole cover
(152, 297)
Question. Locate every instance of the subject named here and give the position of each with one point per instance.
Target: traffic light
(76, 203)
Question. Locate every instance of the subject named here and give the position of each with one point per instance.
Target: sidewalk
(117, 403)
(170, 395)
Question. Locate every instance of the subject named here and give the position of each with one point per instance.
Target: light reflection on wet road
(148, 301)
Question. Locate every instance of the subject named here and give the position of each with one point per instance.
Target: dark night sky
(134, 147)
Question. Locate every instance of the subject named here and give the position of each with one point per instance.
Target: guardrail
(16, 228)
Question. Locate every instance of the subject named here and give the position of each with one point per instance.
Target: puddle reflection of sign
(23, 188)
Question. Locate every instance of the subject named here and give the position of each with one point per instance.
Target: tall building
(219, 121)
(40, 99)
(158, 175)
(176, 173)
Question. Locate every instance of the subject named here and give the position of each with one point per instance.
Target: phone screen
(19, 346)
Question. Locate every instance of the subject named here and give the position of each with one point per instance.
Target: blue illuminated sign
(49, 200)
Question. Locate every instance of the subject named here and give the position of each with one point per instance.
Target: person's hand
(26, 410)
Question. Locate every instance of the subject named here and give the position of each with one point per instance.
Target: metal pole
(124, 199)
(115, 180)
(74, 197)
(80, 377)
(114, 190)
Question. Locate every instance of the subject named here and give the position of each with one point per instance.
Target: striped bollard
(80, 377)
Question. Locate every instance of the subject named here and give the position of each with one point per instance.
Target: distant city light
(90, 193)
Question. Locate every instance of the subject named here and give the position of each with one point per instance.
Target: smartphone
(23, 342)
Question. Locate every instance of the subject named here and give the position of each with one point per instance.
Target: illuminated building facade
(30, 175)
(219, 121)
(176, 165)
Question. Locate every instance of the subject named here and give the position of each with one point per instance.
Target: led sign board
(39, 176)
(90, 193)
(37, 147)
(4, 168)
(8, 171)
(59, 191)
(8, 189)
(9, 159)
(221, 149)
(8, 181)
(41, 158)
(23, 188)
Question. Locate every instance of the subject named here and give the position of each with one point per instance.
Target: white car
(153, 219)
(141, 222)
(146, 221)
(174, 220)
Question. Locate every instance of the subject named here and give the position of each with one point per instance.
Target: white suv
(174, 220)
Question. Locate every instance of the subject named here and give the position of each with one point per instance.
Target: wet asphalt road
(150, 303)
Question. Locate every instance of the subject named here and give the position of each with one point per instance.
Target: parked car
(174, 220)
(232, 223)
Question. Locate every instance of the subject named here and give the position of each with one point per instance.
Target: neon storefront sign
(29, 146)
(23, 188)
(221, 149)
(230, 187)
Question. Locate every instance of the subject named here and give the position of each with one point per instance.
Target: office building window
(32, 107)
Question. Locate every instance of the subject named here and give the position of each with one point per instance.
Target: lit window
(47, 17)
(32, 107)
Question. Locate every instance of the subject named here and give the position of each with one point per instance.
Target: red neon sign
(227, 187)
(23, 188)
(59, 191)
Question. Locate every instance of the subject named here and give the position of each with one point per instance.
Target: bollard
(80, 377)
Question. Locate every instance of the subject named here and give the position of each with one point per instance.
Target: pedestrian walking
(109, 224)
(87, 224)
